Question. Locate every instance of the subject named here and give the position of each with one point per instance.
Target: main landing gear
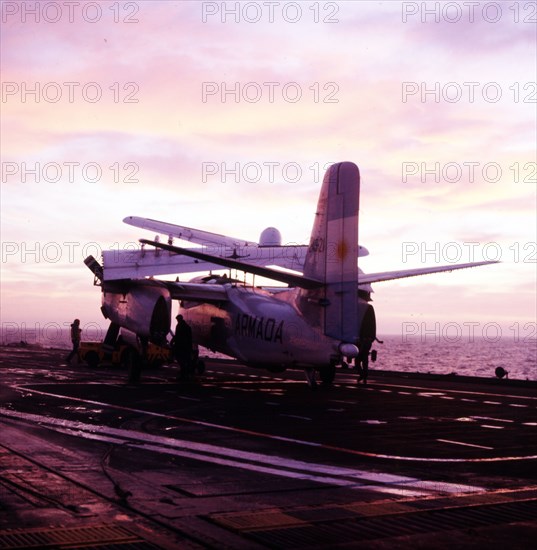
(326, 374)
(310, 377)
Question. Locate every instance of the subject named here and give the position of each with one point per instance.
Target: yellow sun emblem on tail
(342, 250)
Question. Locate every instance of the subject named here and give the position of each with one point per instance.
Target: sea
(430, 354)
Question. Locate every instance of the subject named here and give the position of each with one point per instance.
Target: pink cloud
(170, 132)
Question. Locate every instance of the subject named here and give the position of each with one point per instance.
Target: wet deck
(240, 459)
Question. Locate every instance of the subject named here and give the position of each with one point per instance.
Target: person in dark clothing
(182, 346)
(362, 361)
(76, 331)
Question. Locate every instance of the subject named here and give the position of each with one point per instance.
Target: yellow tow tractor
(122, 354)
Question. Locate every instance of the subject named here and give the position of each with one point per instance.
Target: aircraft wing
(368, 278)
(197, 292)
(188, 233)
(193, 292)
(289, 278)
(214, 241)
(136, 264)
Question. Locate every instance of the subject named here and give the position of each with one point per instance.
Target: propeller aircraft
(316, 322)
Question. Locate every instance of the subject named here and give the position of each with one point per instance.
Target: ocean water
(465, 357)
(434, 355)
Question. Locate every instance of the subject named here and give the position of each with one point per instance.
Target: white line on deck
(351, 478)
(465, 444)
(212, 425)
(468, 392)
(491, 418)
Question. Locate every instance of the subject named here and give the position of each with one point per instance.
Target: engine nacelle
(144, 310)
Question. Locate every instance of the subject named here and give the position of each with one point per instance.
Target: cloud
(152, 124)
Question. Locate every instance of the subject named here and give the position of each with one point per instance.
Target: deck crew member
(76, 331)
(182, 346)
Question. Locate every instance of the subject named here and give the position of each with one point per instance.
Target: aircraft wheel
(130, 359)
(200, 366)
(310, 378)
(92, 359)
(327, 374)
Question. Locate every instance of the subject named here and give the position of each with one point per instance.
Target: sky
(224, 115)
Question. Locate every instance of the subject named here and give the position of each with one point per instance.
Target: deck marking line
(276, 437)
(491, 418)
(465, 444)
(270, 464)
(296, 416)
(442, 391)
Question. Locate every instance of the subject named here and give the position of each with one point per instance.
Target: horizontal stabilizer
(368, 278)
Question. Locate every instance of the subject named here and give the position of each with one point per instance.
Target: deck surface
(239, 458)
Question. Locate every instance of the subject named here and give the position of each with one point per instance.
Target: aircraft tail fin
(332, 256)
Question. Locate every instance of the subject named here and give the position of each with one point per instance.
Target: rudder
(332, 255)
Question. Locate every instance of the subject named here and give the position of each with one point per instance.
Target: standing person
(182, 346)
(362, 360)
(76, 331)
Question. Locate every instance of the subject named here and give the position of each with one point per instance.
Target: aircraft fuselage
(261, 329)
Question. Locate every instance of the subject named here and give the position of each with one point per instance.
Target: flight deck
(240, 458)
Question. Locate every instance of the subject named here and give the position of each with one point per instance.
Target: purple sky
(129, 115)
